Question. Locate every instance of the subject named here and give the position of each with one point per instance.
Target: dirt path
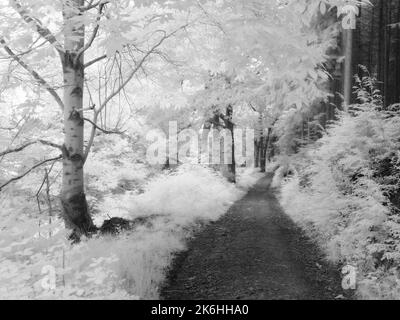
(254, 252)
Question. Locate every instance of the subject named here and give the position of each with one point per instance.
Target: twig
(30, 170)
(34, 74)
(123, 85)
(101, 129)
(92, 5)
(27, 144)
(93, 36)
(88, 64)
(48, 197)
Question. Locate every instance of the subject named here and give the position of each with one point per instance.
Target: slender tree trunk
(230, 126)
(381, 43)
(259, 141)
(348, 70)
(371, 44)
(73, 199)
(262, 154)
(256, 153)
(265, 148)
(397, 93)
(386, 66)
(268, 144)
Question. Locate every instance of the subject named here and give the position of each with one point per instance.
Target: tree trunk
(264, 150)
(208, 151)
(256, 153)
(268, 145)
(386, 66)
(259, 140)
(348, 69)
(381, 44)
(230, 126)
(262, 154)
(397, 57)
(73, 200)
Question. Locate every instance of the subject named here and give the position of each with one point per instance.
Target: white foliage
(128, 266)
(337, 200)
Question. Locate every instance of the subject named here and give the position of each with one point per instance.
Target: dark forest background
(376, 45)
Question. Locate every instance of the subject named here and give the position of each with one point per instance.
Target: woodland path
(253, 252)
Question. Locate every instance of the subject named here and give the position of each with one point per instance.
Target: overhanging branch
(101, 129)
(33, 73)
(88, 64)
(27, 144)
(137, 67)
(43, 31)
(123, 84)
(29, 171)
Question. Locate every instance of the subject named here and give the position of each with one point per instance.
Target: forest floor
(253, 252)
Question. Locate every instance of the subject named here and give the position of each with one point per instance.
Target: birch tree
(76, 28)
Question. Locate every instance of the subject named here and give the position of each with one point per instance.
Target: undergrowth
(344, 190)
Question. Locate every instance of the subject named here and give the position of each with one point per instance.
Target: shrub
(346, 192)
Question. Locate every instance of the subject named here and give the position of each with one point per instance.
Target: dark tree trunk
(228, 120)
(227, 169)
(265, 149)
(256, 153)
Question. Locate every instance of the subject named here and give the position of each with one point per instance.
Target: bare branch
(34, 74)
(101, 129)
(27, 144)
(50, 144)
(94, 34)
(30, 170)
(9, 128)
(17, 149)
(31, 48)
(213, 20)
(88, 64)
(92, 135)
(92, 5)
(137, 67)
(121, 87)
(43, 31)
(252, 107)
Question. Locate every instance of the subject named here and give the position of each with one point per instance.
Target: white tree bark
(73, 199)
